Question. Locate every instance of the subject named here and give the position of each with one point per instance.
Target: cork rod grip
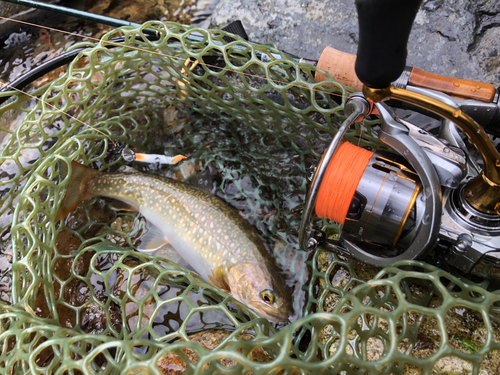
(456, 87)
(341, 66)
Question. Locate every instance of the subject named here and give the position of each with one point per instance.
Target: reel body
(410, 201)
(383, 209)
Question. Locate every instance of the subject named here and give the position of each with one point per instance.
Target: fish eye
(267, 295)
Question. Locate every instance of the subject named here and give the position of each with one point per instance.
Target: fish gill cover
(76, 296)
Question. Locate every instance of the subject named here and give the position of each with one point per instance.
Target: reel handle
(384, 29)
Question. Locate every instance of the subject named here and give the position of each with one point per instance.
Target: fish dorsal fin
(202, 180)
(218, 279)
(152, 240)
(117, 205)
(127, 169)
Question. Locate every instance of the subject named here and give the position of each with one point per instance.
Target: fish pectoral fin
(218, 280)
(152, 240)
(117, 205)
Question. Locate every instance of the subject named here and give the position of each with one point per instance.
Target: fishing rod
(479, 100)
(234, 27)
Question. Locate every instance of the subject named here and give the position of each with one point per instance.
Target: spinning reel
(427, 199)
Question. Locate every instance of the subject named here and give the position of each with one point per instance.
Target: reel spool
(373, 195)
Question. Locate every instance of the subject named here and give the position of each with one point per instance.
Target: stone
(456, 38)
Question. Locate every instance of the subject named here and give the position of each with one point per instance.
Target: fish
(220, 245)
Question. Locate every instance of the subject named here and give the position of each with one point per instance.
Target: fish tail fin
(76, 191)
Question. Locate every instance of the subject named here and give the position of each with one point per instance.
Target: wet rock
(145, 10)
(465, 328)
(487, 54)
(457, 38)
(139, 306)
(9, 10)
(94, 319)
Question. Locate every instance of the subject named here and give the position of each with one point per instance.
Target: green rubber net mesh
(77, 298)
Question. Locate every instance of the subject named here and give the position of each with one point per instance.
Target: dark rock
(457, 38)
(299, 27)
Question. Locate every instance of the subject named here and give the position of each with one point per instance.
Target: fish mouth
(280, 320)
(275, 318)
(278, 314)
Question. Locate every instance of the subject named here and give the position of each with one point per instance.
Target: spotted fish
(211, 236)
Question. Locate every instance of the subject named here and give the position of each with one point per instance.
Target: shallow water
(258, 175)
(264, 179)
(23, 47)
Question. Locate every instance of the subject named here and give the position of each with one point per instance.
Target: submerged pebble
(172, 364)
(464, 326)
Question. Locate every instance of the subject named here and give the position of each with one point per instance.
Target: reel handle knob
(384, 28)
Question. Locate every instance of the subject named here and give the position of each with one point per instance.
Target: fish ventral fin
(117, 205)
(76, 191)
(217, 279)
(152, 240)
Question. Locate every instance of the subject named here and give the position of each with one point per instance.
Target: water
(23, 47)
(258, 175)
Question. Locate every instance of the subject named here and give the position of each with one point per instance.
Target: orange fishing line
(340, 181)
